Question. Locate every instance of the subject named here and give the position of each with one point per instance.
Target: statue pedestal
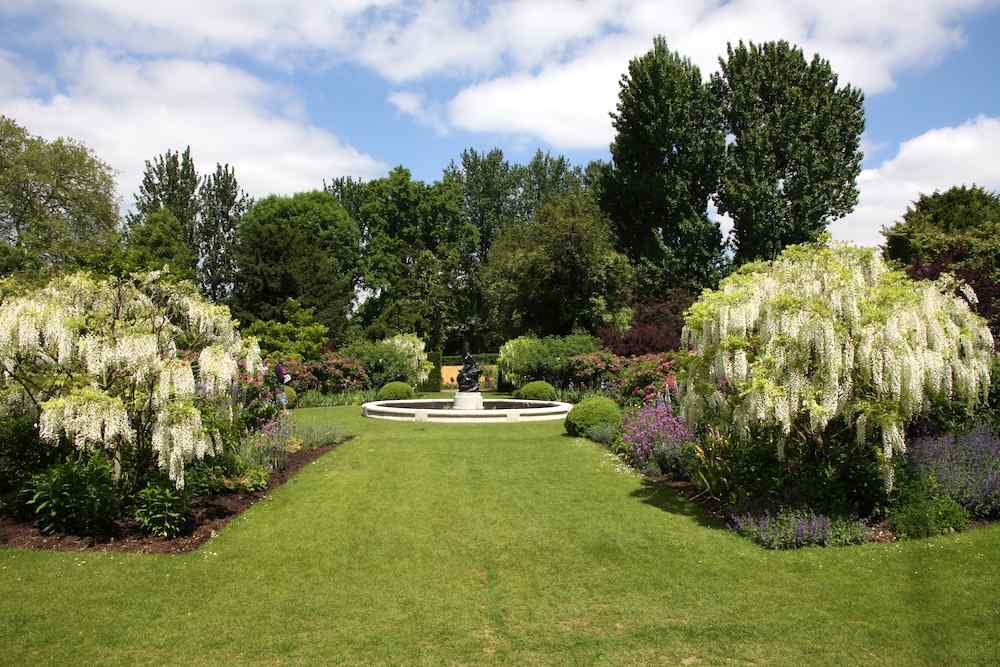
(468, 400)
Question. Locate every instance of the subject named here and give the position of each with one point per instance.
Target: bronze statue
(468, 377)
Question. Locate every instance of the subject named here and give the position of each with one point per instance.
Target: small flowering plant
(652, 433)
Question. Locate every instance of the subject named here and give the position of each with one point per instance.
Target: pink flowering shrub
(643, 379)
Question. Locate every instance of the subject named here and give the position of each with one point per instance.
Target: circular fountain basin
(442, 410)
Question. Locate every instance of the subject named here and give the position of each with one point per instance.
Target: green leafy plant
(791, 529)
(551, 359)
(252, 478)
(539, 390)
(162, 510)
(592, 412)
(75, 497)
(433, 381)
(291, 396)
(919, 510)
(604, 434)
(395, 391)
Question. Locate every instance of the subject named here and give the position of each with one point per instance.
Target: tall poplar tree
(665, 162)
(170, 181)
(222, 204)
(795, 149)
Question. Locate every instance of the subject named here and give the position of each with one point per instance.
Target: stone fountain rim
(545, 411)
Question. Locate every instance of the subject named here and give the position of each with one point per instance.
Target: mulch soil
(210, 514)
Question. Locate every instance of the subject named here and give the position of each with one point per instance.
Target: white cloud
(414, 104)
(18, 77)
(130, 110)
(935, 160)
(567, 102)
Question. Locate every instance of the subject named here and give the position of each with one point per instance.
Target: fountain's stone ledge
(448, 411)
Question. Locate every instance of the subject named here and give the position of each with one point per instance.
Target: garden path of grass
(456, 544)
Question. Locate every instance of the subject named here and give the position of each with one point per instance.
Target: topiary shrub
(828, 336)
(539, 390)
(395, 391)
(592, 412)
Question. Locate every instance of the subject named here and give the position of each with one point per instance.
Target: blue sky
(295, 92)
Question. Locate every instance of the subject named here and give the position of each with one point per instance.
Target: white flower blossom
(832, 332)
(216, 369)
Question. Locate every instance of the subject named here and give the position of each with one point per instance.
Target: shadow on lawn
(679, 498)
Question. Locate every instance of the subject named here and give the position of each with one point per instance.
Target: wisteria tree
(125, 365)
(829, 333)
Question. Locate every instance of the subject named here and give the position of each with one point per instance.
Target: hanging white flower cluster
(413, 348)
(30, 326)
(253, 361)
(176, 381)
(138, 354)
(208, 320)
(179, 438)
(101, 358)
(216, 369)
(88, 417)
(828, 332)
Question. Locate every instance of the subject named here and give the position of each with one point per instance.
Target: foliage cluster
(530, 358)
(539, 390)
(920, 509)
(395, 391)
(656, 326)
(399, 358)
(332, 373)
(593, 412)
(957, 232)
(653, 434)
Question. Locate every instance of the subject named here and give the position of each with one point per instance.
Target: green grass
(462, 544)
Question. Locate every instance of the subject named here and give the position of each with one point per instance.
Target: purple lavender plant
(792, 529)
(653, 432)
(966, 467)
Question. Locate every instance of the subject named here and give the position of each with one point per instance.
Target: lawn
(460, 544)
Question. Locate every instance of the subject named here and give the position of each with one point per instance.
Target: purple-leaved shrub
(966, 467)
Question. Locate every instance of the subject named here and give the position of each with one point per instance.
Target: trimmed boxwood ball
(539, 390)
(591, 412)
(395, 391)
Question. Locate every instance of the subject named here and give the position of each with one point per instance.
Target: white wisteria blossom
(216, 369)
(179, 438)
(830, 332)
(88, 417)
(413, 348)
(107, 364)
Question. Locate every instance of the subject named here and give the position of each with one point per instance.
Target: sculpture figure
(468, 377)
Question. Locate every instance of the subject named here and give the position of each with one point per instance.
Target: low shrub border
(209, 515)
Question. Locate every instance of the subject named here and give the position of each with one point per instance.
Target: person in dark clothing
(281, 377)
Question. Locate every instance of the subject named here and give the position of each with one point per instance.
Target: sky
(297, 92)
